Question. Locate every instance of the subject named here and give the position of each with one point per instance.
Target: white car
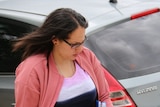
(123, 34)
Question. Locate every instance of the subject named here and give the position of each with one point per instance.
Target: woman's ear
(55, 41)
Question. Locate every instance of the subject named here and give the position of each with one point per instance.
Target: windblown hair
(59, 24)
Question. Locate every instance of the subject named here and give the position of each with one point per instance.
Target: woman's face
(70, 48)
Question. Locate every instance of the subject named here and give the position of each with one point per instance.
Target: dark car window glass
(129, 49)
(9, 30)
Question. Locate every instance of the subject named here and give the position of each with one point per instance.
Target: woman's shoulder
(31, 67)
(34, 61)
(86, 52)
(86, 55)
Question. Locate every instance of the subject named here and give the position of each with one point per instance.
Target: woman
(56, 69)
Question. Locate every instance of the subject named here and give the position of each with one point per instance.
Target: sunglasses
(75, 45)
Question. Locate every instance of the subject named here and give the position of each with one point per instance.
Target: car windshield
(129, 49)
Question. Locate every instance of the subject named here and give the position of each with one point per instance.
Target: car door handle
(12, 104)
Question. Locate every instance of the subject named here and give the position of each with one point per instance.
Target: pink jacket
(36, 85)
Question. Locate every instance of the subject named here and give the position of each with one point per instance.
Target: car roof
(89, 8)
(45, 7)
(98, 12)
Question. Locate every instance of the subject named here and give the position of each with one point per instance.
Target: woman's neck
(65, 67)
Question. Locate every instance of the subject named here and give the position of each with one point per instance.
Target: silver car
(123, 34)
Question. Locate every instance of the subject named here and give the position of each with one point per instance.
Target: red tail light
(144, 13)
(119, 96)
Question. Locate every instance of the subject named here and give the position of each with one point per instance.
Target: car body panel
(6, 90)
(144, 90)
(29, 18)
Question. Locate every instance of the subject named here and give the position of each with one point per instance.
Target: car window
(10, 30)
(129, 49)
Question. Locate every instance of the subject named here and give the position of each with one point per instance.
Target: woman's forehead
(78, 33)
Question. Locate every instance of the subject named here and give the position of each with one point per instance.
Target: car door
(9, 30)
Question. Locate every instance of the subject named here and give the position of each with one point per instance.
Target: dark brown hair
(59, 24)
